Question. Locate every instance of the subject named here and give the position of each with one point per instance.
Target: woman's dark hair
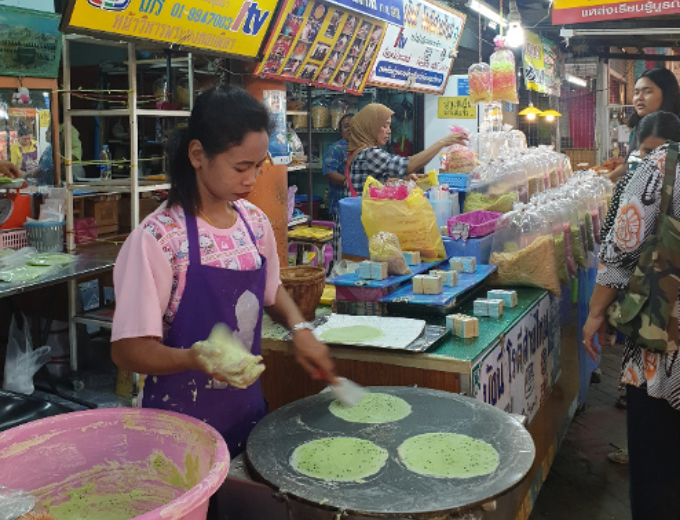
(660, 124)
(221, 118)
(668, 83)
(343, 118)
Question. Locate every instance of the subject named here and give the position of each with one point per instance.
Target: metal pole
(134, 137)
(310, 180)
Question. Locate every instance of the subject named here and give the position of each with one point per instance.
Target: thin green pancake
(448, 455)
(374, 408)
(340, 459)
(350, 335)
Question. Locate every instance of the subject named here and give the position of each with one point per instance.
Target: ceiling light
(529, 111)
(531, 116)
(575, 80)
(486, 11)
(550, 115)
(515, 36)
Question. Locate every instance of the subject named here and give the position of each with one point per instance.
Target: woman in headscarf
(370, 131)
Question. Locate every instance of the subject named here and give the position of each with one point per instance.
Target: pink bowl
(164, 465)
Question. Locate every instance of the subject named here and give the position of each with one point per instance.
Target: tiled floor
(583, 483)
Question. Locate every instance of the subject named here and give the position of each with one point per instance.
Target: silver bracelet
(304, 325)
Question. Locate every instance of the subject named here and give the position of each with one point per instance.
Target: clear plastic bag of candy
(481, 89)
(503, 73)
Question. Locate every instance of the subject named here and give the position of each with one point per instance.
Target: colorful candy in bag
(481, 86)
(504, 76)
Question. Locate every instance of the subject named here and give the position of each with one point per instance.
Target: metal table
(91, 262)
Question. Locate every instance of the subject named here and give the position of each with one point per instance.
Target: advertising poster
(419, 55)
(275, 101)
(584, 11)
(319, 43)
(235, 28)
(514, 376)
(30, 43)
(540, 58)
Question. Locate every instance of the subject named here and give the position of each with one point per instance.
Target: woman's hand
(595, 324)
(7, 169)
(314, 356)
(455, 138)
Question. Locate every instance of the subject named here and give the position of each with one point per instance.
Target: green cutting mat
(489, 328)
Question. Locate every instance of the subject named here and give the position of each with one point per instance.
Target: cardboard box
(462, 326)
(489, 308)
(466, 264)
(449, 278)
(412, 257)
(147, 205)
(509, 297)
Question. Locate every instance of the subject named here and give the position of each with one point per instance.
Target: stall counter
(448, 366)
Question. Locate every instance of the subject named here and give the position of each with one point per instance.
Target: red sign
(585, 11)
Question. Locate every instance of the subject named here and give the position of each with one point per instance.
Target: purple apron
(29, 160)
(214, 295)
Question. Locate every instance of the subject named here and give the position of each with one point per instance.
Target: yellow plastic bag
(412, 220)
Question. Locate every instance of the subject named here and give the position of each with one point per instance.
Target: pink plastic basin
(139, 463)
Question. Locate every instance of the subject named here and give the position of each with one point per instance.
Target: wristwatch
(303, 325)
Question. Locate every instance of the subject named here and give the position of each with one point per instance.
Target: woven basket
(305, 285)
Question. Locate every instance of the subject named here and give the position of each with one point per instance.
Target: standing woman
(334, 170)
(652, 378)
(24, 151)
(370, 131)
(208, 256)
(655, 89)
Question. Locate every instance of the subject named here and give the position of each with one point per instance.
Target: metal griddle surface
(394, 490)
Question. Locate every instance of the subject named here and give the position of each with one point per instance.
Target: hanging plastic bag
(412, 220)
(479, 77)
(503, 74)
(22, 361)
(15, 503)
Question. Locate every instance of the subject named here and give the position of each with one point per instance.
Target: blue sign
(391, 11)
(463, 87)
(398, 72)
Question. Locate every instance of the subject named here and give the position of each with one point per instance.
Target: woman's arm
(619, 172)
(596, 323)
(310, 353)
(336, 178)
(149, 356)
(419, 161)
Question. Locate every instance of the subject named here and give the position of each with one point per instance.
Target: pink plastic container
(142, 464)
(482, 223)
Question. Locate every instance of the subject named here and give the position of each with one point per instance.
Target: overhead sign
(584, 11)
(217, 26)
(540, 59)
(318, 43)
(458, 107)
(419, 55)
(391, 11)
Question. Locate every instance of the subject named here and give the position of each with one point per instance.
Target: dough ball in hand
(224, 357)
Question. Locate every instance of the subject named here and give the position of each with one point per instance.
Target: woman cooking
(25, 151)
(207, 256)
(371, 130)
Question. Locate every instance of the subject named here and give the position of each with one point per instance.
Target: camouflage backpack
(647, 311)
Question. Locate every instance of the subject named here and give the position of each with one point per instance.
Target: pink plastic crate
(479, 223)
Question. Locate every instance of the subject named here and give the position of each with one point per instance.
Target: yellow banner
(568, 4)
(457, 107)
(534, 63)
(222, 26)
(45, 118)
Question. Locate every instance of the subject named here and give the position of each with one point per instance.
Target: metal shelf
(124, 112)
(317, 131)
(94, 319)
(115, 186)
(297, 113)
(298, 167)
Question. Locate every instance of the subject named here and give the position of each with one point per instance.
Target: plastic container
(45, 236)
(504, 75)
(481, 89)
(481, 223)
(105, 167)
(157, 464)
(459, 181)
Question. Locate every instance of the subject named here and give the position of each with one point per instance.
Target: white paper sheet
(398, 333)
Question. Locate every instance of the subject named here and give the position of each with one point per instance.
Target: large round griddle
(394, 490)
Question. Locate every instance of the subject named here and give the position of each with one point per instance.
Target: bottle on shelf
(105, 166)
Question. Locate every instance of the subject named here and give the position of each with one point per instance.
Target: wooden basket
(305, 285)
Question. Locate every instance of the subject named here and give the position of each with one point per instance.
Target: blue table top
(353, 280)
(466, 282)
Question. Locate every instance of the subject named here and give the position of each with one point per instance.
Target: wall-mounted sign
(30, 43)
(540, 59)
(419, 55)
(391, 11)
(217, 26)
(514, 374)
(584, 11)
(318, 43)
(458, 107)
